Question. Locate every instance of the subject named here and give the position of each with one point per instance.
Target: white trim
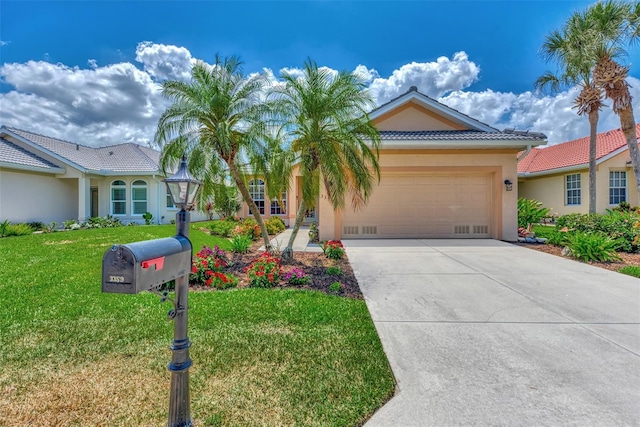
(391, 144)
(433, 105)
(50, 170)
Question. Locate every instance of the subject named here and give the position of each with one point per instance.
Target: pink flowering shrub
(207, 269)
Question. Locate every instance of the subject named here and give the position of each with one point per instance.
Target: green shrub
(334, 271)
(336, 287)
(222, 228)
(557, 238)
(274, 225)
(248, 227)
(313, 232)
(631, 270)
(36, 225)
(225, 201)
(618, 225)
(17, 230)
(333, 249)
(241, 243)
(592, 247)
(148, 218)
(3, 227)
(530, 212)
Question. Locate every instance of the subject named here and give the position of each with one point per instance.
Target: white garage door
(429, 205)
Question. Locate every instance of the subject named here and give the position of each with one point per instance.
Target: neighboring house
(46, 179)
(558, 176)
(443, 175)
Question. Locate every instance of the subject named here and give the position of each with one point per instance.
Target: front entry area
(430, 205)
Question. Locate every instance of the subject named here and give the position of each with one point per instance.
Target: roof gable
(432, 110)
(16, 156)
(573, 153)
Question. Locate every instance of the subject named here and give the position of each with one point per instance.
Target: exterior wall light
(508, 184)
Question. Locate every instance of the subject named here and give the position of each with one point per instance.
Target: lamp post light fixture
(183, 189)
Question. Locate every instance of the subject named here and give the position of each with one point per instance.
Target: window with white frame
(279, 207)
(617, 187)
(170, 204)
(139, 197)
(572, 186)
(256, 190)
(118, 198)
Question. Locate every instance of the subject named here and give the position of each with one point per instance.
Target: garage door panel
(429, 205)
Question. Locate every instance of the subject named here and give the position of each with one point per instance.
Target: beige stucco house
(46, 179)
(443, 175)
(558, 176)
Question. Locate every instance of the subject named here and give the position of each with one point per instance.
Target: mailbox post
(144, 266)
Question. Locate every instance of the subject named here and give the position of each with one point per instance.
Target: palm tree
(614, 24)
(332, 138)
(565, 47)
(216, 119)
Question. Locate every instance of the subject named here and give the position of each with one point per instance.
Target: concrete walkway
(481, 332)
(300, 244)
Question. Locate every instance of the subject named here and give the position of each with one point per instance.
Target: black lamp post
(183, 189)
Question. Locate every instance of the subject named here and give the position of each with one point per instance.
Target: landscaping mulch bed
(627, 259)
(312, 263)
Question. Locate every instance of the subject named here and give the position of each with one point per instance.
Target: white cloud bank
(116, 103)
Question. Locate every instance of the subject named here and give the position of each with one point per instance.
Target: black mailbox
(142, 266)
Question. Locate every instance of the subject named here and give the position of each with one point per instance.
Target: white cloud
(431, 78)
(552, 115)
(100, 106)
(116, 103)
(165, 62)
(4, 42)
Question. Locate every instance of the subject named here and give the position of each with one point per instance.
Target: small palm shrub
(148, 218)
(264, 271)
(274, 225)
(592, 247)
(9, 230)
(557, 238)
(240, 244)
(530, 212)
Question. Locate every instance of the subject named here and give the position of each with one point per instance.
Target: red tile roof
(571, 153)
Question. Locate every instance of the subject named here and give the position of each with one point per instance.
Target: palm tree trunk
(628, 126)
(593, 138)
(287, 254)
(252, 205)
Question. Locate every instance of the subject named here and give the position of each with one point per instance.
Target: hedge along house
(443, 175)
(47, 179)
(558, 176)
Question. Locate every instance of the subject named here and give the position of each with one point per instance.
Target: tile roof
(571, 153)
(11, 153)
(116, 158)
(460, 135)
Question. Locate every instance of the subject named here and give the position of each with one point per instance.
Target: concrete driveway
(482, 332)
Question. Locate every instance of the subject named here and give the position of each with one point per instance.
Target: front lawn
(72, 355)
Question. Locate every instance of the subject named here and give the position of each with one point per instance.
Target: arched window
(256, 189)
(139, 197)
(118, 198)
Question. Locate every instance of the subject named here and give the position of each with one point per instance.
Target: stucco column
(84, 198)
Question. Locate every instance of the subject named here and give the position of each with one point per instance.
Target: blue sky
(50, 47)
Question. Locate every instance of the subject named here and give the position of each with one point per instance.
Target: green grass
(543, 230)
(631, 270)
(72, 355)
